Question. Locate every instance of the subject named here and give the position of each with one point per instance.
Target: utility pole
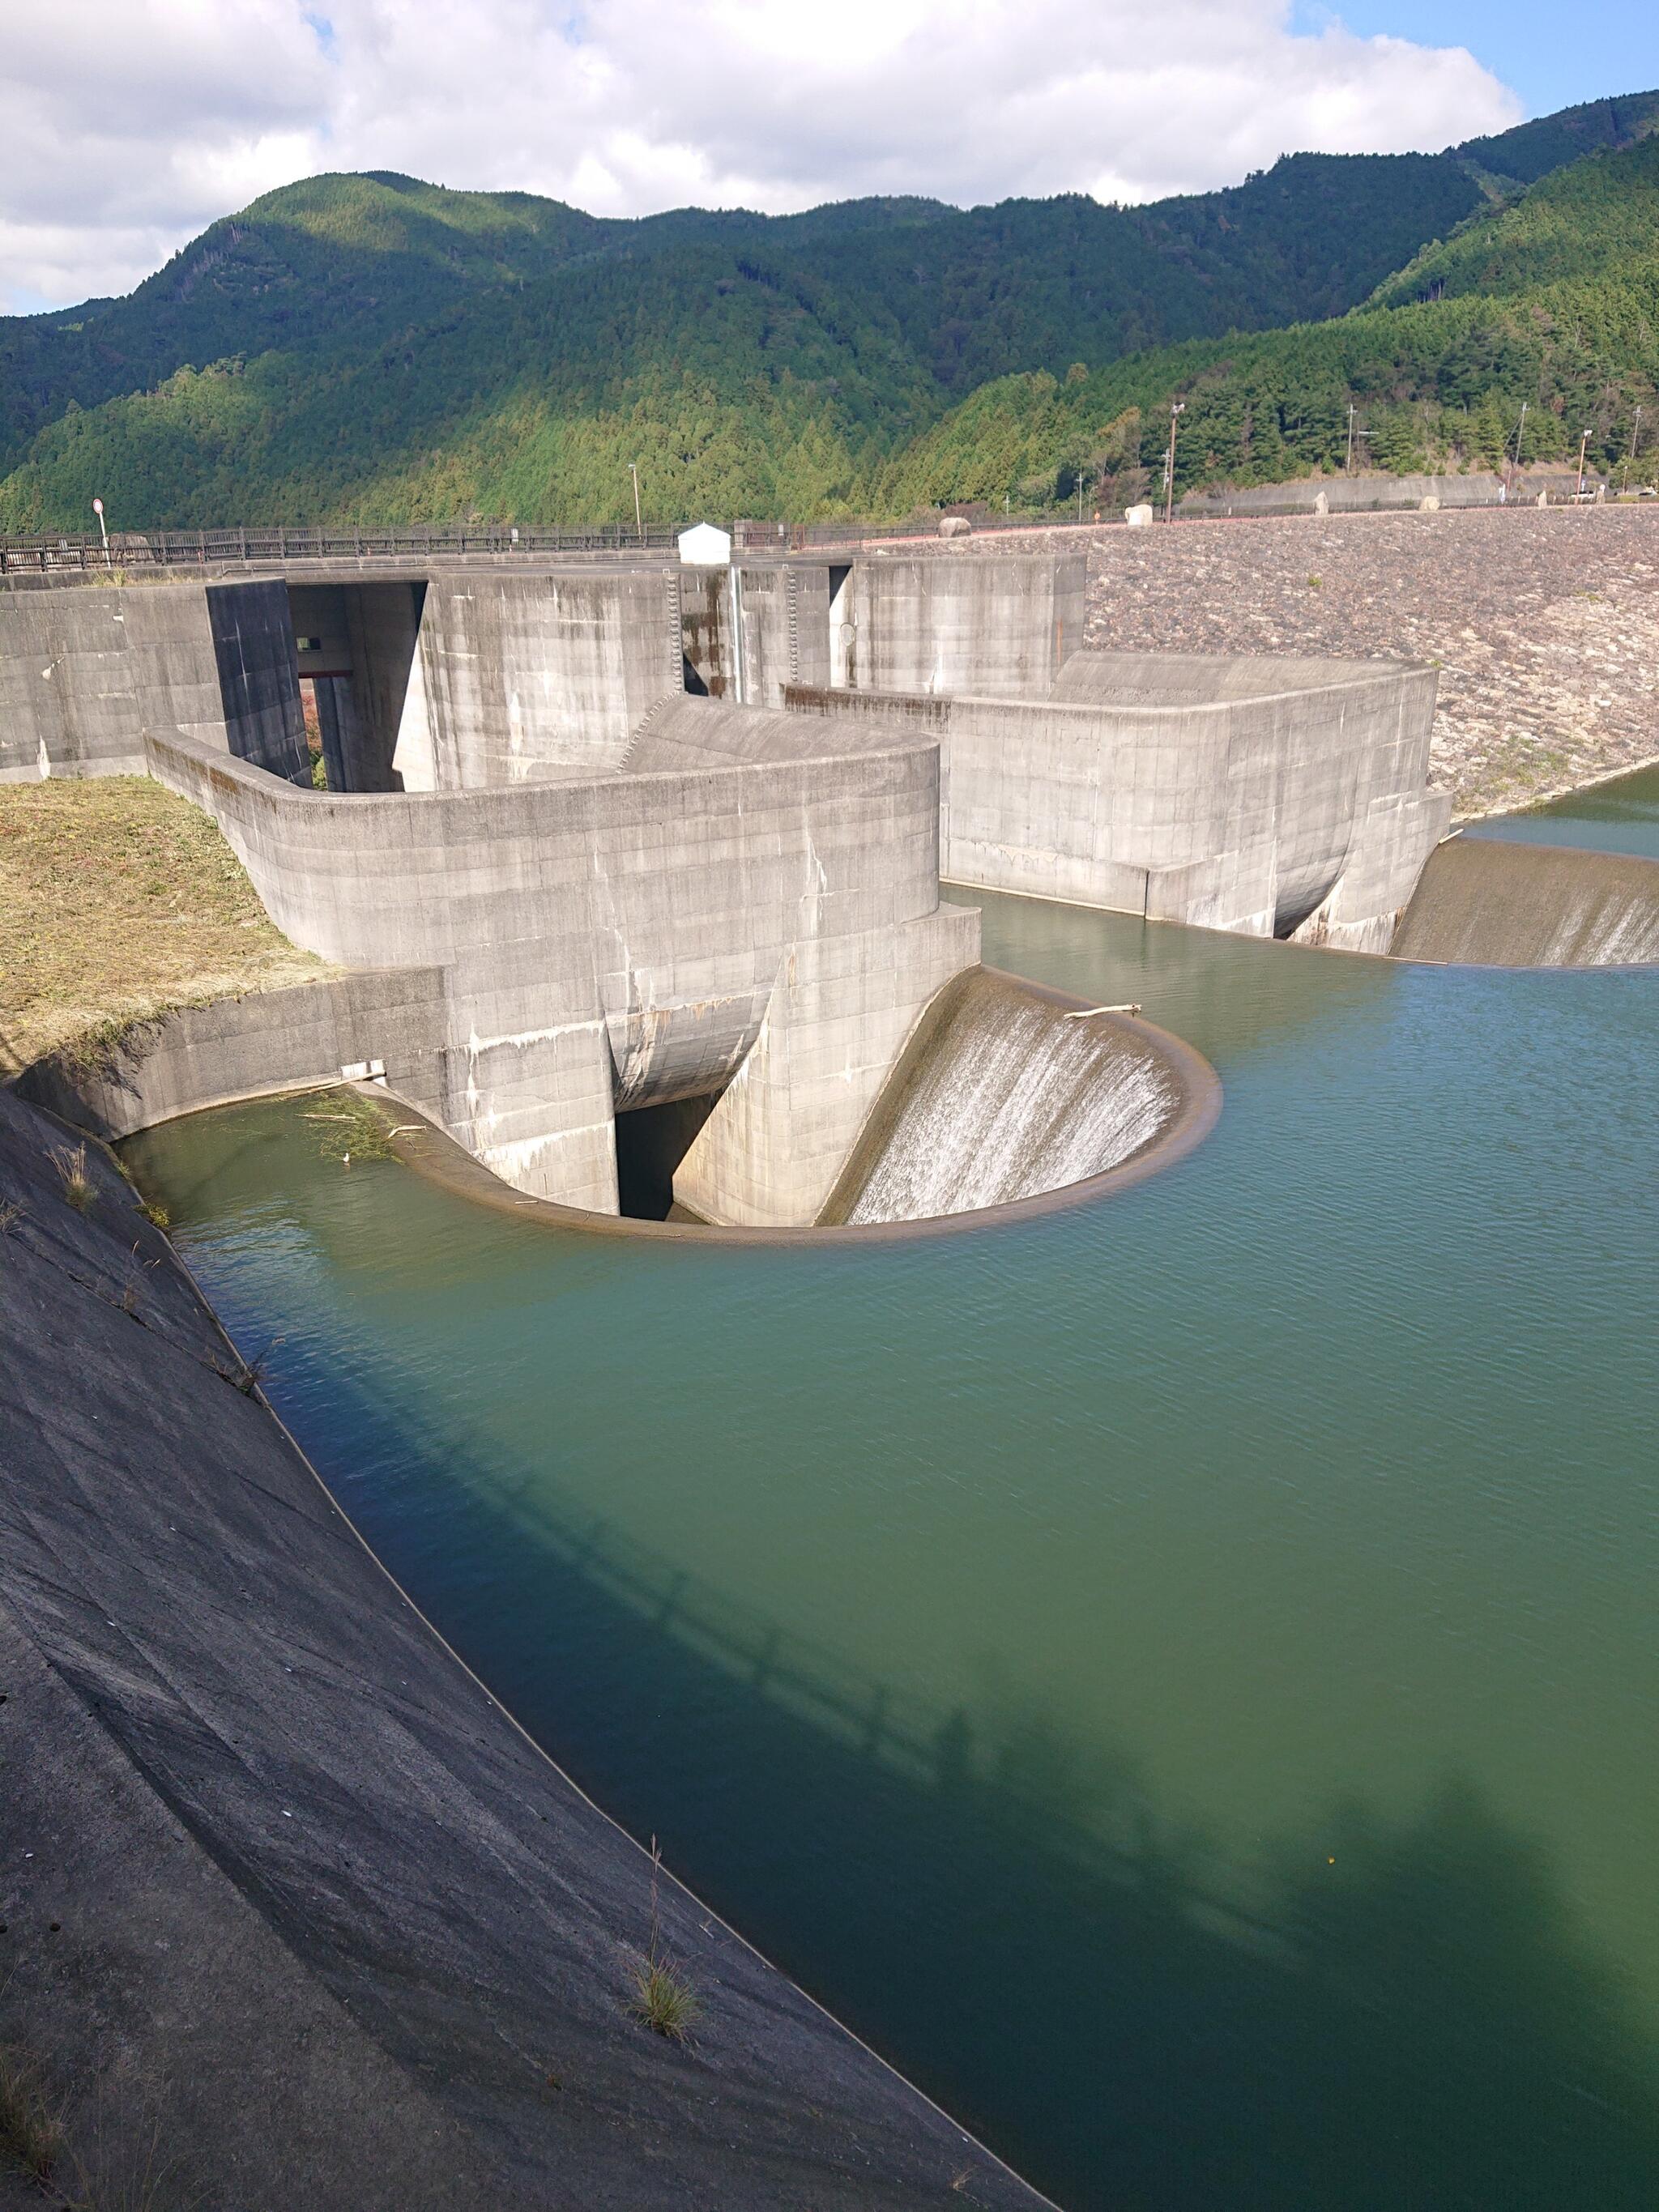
(638, 525)
(1635, 432)
(1352, 412)
(1521, 431)
(1176, 407)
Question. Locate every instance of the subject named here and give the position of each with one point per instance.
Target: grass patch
(119, 902)
(663, 1997)
(665, 2000)
(79, 1188)
(31, 2126)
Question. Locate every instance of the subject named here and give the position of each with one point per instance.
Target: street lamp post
(1635, 432)
(98, 509)
(1583, 446)
(639, 524)
(1176, 407)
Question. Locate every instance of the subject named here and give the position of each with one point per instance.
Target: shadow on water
(1398, 2015)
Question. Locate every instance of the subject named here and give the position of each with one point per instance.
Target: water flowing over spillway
(1529, 905)
(1002, 1095)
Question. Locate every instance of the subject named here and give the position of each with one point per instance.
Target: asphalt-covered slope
(287, 1897)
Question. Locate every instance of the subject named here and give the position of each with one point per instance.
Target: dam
(1080, 1648)
(666, 839)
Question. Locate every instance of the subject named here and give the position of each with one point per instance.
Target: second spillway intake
(1004, 1095)
(1532, 906)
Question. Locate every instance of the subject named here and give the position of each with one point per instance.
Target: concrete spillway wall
(1268, 796)
(458, 678)
(1524, 905)
(627, 940)
(1005, 1093)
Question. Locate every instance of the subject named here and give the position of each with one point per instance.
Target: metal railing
(205, 549)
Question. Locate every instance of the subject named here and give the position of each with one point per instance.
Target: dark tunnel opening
(651, 1142)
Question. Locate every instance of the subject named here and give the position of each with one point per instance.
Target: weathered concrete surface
(530, 675)
(835, 1024)
(240, 1047)
(281, 1841)
(615, 942)
(989, 627)
(87, 669)
(1284, 798)
(457, 678)
(259, 678)
(1524, 905)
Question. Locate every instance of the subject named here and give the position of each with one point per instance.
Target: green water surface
(1179, 1676)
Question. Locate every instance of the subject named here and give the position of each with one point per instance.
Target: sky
(130, 125)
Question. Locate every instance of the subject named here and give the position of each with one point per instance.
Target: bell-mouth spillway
(1183, 1108)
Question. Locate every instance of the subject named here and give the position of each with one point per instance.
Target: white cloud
(130, 124)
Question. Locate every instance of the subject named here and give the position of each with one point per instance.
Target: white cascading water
(1006, 1098)
(1522, 905)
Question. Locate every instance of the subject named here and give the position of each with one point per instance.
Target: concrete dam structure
(612, 881)
(645, 840)
(663, 840)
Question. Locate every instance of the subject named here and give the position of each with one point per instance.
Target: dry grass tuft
(120, 901)
(79, 1188)
(662, 1998)
(665, 2000)
(31, 2126)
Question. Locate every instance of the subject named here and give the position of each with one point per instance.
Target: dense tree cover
(375, 349)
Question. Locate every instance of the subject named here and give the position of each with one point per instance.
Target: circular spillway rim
(446, 1163)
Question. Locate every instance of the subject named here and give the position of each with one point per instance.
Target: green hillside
(1553, 301)
(377, 349)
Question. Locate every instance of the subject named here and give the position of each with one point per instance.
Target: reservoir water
(1178, 1676)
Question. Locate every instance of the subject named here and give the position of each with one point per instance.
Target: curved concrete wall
(619, 942)
(1260, 798)
(1004, 1093)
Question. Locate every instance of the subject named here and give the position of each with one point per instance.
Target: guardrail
(188, 548)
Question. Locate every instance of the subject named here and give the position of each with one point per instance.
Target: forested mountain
(1553, 301)
(376, 348)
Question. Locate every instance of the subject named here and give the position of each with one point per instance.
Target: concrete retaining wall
(200, 1056)
(995, 628)
(87, 669)
(462, 678)
(611, 943)
(528, 675)
(1372, 495)
(1256, 797)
